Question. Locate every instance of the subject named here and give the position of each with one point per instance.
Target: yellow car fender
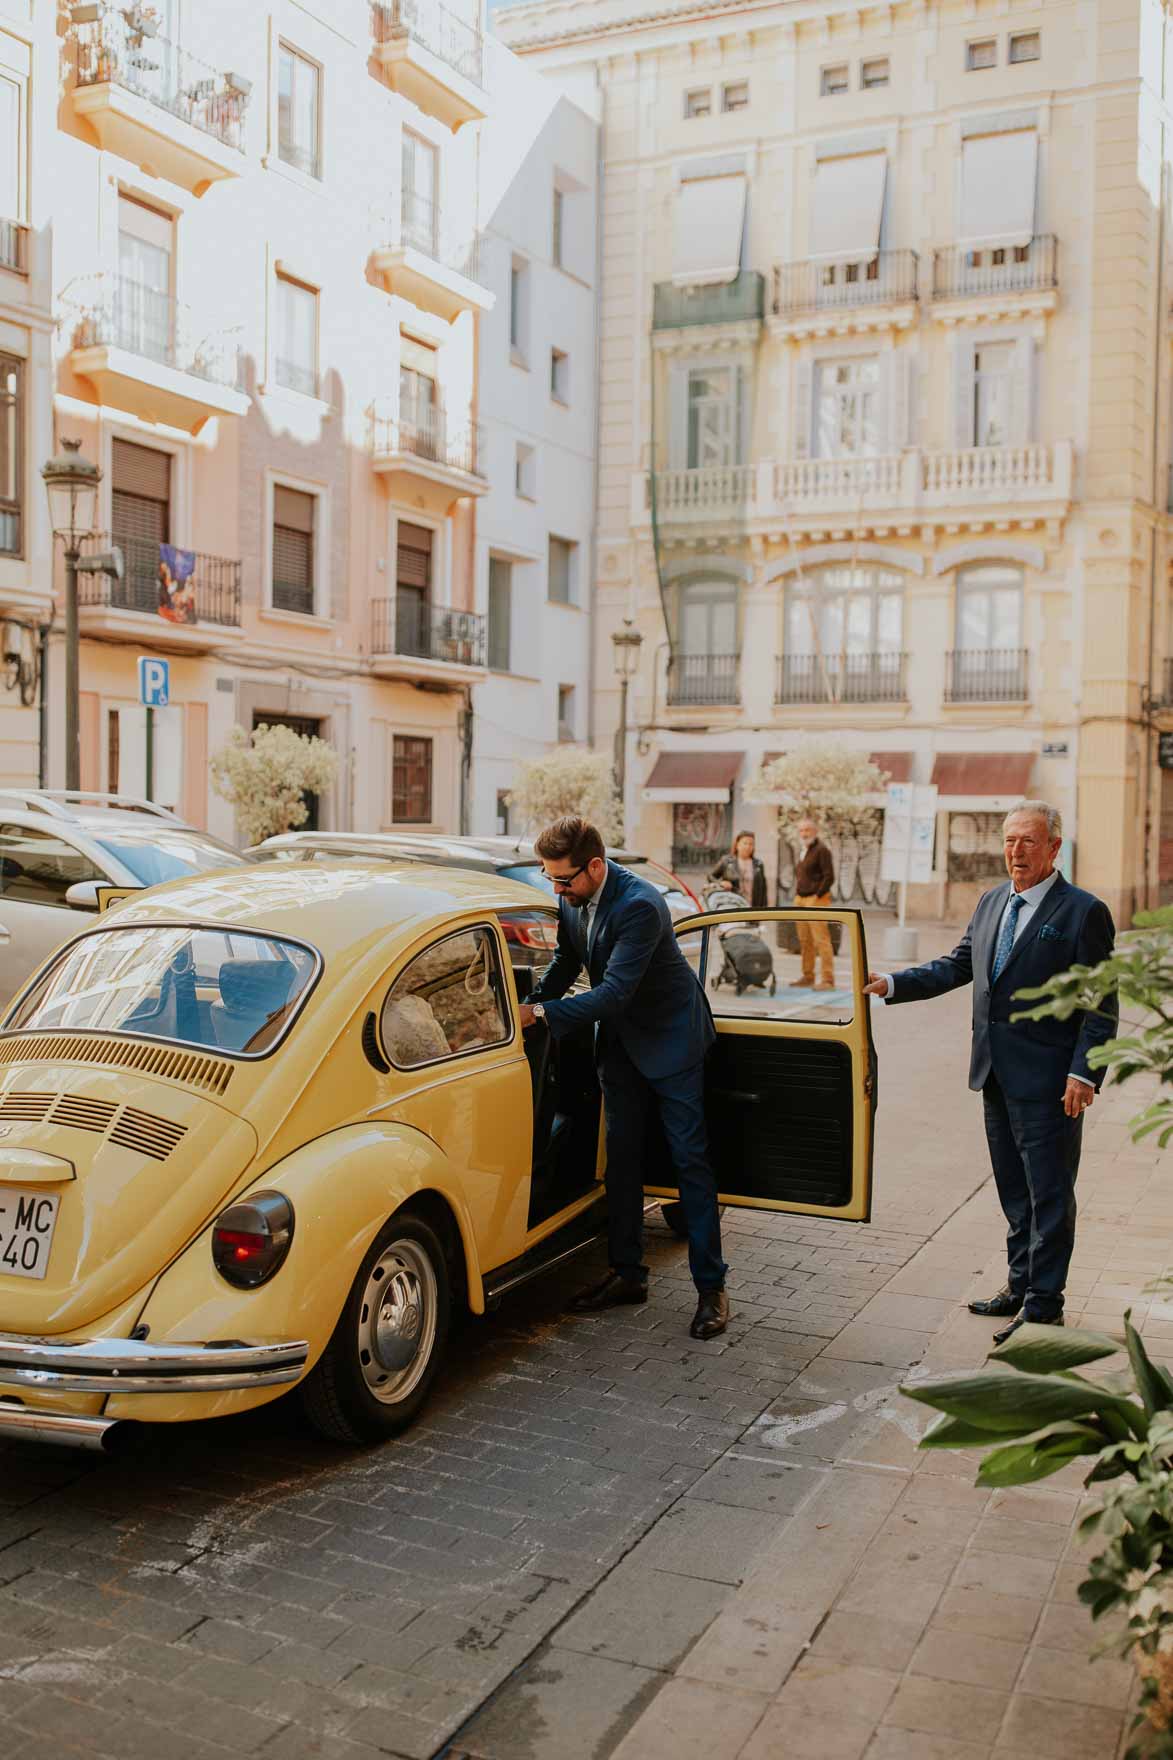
(343, 1187)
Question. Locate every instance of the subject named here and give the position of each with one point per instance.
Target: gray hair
(1040, 810)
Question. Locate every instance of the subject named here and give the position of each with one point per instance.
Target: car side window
(38, 867)
(448, 1001)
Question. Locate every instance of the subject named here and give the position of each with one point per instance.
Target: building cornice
(513, 32)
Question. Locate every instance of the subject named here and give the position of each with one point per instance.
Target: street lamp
(626, 643)
(71, 483)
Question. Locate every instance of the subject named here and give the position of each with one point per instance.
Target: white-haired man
(1033, 1075)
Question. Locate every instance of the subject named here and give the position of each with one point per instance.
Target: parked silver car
(56, 849)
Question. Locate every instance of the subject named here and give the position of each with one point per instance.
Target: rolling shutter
(413, 556)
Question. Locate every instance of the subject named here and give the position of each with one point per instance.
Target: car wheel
(379, 1367)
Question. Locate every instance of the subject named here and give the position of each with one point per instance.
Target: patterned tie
(1006, 938)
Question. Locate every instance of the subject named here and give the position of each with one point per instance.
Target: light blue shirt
(592, 911)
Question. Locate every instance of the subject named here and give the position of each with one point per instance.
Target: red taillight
(250, 1240)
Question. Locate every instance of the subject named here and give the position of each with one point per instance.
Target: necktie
(1006, 938)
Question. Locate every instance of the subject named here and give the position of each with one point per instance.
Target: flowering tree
(824, 781)
(567, 781)
(267, 776)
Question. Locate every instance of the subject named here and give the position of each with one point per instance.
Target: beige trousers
(816, 937)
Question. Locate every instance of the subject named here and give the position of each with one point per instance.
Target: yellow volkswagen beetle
(274, 1126)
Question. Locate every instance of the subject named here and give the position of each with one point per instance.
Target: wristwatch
(539, 1011)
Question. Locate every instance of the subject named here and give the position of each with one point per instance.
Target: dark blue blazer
(643, 991)
(1031, 1059)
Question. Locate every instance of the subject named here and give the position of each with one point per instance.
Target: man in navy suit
(653, 1029)
(1033, 1075)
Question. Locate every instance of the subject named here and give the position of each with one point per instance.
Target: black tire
(352, 1395)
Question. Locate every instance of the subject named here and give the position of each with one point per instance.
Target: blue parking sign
(154, 681)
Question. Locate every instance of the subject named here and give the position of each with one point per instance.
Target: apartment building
(885, 410)
(242, 261)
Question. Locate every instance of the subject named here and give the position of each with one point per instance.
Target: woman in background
(741, 871)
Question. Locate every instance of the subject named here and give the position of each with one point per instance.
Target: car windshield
(170, 856)
(530, 874)
(216, 988)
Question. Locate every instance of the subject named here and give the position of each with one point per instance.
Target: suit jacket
(644, 993)
(1031, 1059)
(814, 873)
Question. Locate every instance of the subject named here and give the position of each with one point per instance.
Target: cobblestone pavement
(243, 1588)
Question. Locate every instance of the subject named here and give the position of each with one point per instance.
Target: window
(449, 1000)
(295, 362)
(993, 393)
(847, 408)
(12, 207)
(874, 73)
(144, 313)
(113, 749)
(559, 375)
(525, 471)
(518, 310)
(411, 780)
(38, 867)
(845, 611)
(707, 618)
(500, 613)
(698, 102)
(1025, 46)
(11, 454)
(566, 712)
(413, 591)
(989, 609)
(561, 582)
(420, 415)
(714, 436)
(708, 227)
(140, 520)
(833, 80)
(983, 53)
(735, 95)
(558, 222)
(294, 518)
(298, 111)
(419, 208)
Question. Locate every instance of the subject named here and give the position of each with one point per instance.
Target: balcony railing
(842, 678)
(712, 488)
(427, 632)
(121, 49)
(423, 431)
(415, 224)
(987, 470)
(985, 675)
(704, 678)
(885, 278)
(210, 594)
(14, 247)
(1014, 268)
(114, 312)
(731, 302)
(811, 481)
(457, 44)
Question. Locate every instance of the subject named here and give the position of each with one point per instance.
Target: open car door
(791, 1080)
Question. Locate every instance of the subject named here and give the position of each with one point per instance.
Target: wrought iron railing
(704, 678)
(985, 675)
(416, 224)
(427, 632)
(210, 594)
(14, 247)
(457, 44)
(730, 302)
(423, 431)
(959, 273)
(294, 596)
(816, 287)
(122, 49)
(842, 678)
(115, 312)
(697, 855)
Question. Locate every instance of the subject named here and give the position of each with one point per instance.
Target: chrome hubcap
(397, 1321)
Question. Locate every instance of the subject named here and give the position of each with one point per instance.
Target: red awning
(897, 766)
(693, 776)
(983, 773)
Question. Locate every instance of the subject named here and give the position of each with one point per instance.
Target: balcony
(842, 678)
(985, 675)
(14, 240)
(190, 616)
(1017, 475)
(417, 641)
(813, 298)
(138, 350)
(421, 456)
(714, 492)
(703, 680)
(419, 266)
(1008, 279)
(151, 102)
(846, 486)
(741, 301)
(431, 57)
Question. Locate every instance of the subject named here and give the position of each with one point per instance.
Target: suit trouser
(1034, 1149)
(816, 937)
(629, 1102)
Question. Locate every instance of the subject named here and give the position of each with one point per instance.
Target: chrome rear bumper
(129, 1365)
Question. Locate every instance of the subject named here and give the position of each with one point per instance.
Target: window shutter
(292, 569)
(413, 556)
(1022, 423)
(141, 470)
(803, 413)
(677, 419)
(963, 392)
(741, 435)
(293, 508)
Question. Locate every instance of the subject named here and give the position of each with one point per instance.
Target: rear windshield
(215, 988)
(154, 860)
(530, 874)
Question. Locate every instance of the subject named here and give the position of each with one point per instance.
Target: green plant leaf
(1149, 1384)
(946, 1432)
(1021, 1463)
(1005, 1399)
(1043, 1349)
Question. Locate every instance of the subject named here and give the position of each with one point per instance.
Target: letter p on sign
(154, 682)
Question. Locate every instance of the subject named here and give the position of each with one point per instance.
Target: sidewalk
(902, 1614)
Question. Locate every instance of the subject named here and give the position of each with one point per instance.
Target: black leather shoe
(1025, 1320)
(612, 1291)
(999, 1307)
(712, 1314)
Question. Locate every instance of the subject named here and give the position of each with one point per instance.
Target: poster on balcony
(177, 584)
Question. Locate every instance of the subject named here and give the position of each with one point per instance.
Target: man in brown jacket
(814, 877)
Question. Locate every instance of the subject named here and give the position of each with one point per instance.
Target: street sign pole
(154, 690)
(150, 752)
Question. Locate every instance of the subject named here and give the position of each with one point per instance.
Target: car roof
(493, 852)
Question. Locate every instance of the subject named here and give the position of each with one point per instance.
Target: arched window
(844, 637)
(704, 666)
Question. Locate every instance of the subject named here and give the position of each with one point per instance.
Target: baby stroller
(746, 961)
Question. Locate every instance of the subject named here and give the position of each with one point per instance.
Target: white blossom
(823, 780)
(564, 782)
(265, 777)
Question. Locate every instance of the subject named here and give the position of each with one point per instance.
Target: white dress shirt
(592, 911)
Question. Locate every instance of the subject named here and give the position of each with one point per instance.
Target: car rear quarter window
(39, 867)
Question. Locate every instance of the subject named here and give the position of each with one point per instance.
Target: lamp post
(625, 643)
(71, 483)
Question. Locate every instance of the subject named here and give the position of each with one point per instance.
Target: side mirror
(83, 895)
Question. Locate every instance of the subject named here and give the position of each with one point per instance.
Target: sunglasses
(564, 881)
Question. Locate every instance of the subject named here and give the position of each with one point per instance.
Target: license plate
(27, 1221)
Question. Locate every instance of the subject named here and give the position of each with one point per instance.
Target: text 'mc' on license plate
(27, 1221)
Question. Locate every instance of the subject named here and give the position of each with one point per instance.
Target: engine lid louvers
(148, 1134)
(83, 1114)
